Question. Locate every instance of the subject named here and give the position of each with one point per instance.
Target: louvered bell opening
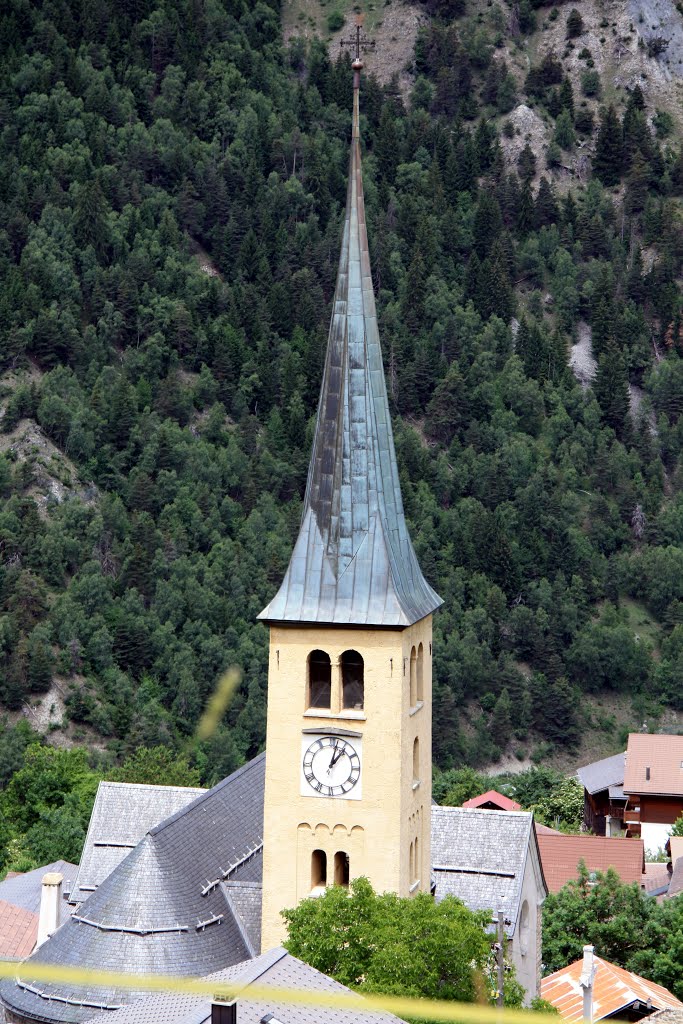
(223, 1013)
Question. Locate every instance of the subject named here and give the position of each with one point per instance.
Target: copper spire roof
(353, 562)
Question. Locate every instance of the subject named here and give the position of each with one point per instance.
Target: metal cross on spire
(358, 42)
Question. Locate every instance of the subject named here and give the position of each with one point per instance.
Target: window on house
(318, 869)
(353, 687)
(647, 774)
(413, 678)
(420, 673)
(416, 760)
(524, 929)
(319, 680)
(341, 868)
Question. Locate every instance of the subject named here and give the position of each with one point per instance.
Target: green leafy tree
(597, 909)
(392, 945)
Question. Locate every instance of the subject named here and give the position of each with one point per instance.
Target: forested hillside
(172, 186)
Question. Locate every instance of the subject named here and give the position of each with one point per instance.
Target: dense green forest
(137, 134)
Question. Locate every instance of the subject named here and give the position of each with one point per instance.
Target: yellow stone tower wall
(379, 830)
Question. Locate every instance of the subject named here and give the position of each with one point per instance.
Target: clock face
(331, 767)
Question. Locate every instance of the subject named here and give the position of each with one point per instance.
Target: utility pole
(500, 957)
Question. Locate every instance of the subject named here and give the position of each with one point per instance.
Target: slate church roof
(122, 814)
(163, 908)
(479, 856)
(353, 562)
(277, 968)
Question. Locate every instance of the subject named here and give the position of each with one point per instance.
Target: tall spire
(353, 562)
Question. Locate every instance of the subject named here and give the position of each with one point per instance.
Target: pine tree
(501, 720)
(637, 184)
(574, 24)
(611, 390)
(609, 149)
(545, 207)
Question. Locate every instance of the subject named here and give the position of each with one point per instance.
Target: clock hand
(339, 751)
(333, 759)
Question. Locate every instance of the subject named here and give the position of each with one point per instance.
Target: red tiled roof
(18, 931)
(545, 830)
(613, 989)
(660, 757)
(500, 802)
(656, 876)
(560, 856)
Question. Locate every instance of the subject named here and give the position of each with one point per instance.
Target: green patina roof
(353, 562)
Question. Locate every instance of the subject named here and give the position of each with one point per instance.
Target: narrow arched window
(413, 678)
(341, 868)
(420, 673)
(319, 680)
(417, 860)
(353, 686)
(416, 760)
(411, 865)
(318, 869)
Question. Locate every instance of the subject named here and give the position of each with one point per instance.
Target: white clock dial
(331, 767)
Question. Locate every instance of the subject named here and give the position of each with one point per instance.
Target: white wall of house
(524, 949)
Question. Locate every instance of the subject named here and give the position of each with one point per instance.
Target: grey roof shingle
(123, 812)
(162, 909)
(601, 775)
(353, 561)
(277, 968)
(24, 890)
(479, 856)
(244, 899)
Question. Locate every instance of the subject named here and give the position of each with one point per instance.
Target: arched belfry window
(416, 760)
(319, 680)
(341, 868)
(353, 685)
(413, 678)
(318, 869)
(420, 673)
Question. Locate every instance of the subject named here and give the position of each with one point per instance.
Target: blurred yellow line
(218, 703)
(466, 1013)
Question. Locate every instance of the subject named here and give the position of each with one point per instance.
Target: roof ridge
(151, 785)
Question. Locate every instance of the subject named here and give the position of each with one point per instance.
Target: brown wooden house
(653, 785)
(603, 796)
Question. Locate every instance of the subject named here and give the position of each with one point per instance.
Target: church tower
(349, 750)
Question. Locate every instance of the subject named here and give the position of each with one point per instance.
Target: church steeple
(353, 562)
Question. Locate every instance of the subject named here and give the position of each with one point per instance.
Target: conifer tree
(611, 390)
(608, 159)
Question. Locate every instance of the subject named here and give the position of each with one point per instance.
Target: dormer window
(353, 683)
(319, 680)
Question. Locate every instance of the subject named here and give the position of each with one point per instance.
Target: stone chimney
(50, 902)
(586, 983)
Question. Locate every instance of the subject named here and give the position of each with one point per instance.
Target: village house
(594, 989)
(603, 794)
(561, 855)
(653, 786)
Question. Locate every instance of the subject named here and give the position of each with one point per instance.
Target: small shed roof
(676, 883)
(560, 855)
(614, 989)
(479, 856)
(18, 931)
(122, 814)
(602, 774)
(277, 968)
(654, 764)
(493, 800)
